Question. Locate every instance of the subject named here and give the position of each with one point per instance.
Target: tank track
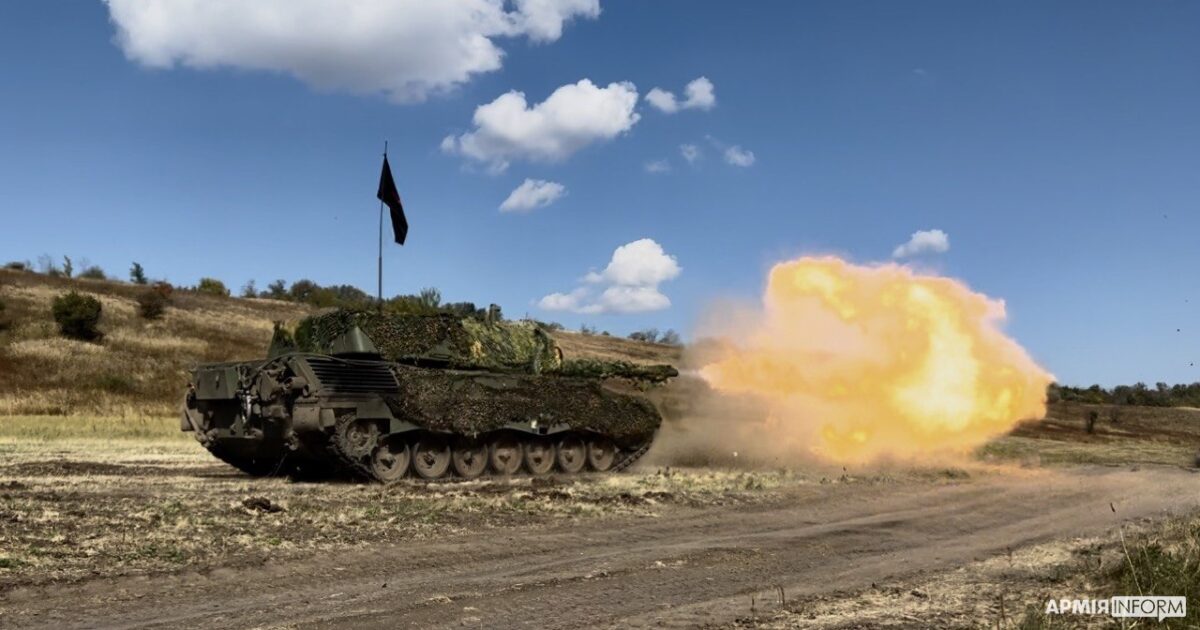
(340, 451)
(631, 458)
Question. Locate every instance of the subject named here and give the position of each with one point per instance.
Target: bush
(153, 302)
(249, 290)
(17, 265)
(212, 286)
(650, 335)
(671, 338)
(93, 272)
(77, 316)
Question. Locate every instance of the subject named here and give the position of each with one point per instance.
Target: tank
(384, 396)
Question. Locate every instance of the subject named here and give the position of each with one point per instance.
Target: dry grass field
(139, 369)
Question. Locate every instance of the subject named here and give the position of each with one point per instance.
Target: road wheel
(469, 458)
(571, 454)
(601, 453)
(504, 455)
(431, 457)
(390, 461)
(539, 456)
(359, 438)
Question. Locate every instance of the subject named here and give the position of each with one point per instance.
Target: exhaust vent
(353, 377)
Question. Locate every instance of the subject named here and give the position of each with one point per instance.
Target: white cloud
(574, 116)
(738, 156)
(658, 166)
(690, 152)
(697, 95)
(662, 100)
(922, 241)
(404, 49)
(533, 193)
(630, 283)
(564, 301)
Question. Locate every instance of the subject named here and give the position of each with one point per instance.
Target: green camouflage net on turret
(442, 339)
(450, 341)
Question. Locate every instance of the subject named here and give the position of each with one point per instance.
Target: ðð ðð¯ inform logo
(1122, 606)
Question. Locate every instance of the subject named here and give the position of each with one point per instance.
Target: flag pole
(379, 277)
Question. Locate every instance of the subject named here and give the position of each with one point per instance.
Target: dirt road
(687, 567)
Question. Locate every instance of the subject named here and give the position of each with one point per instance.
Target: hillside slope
(140, 367)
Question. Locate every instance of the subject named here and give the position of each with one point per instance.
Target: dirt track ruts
(685, 568)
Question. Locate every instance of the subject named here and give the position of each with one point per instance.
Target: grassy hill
(140, 367)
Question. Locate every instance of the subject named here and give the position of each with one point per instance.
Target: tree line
(1139, 394)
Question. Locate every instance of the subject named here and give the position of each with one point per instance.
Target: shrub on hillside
(17, 265)
(650, 335)
(77, 316)
(153, 302)
(212, 286)
(93, 272)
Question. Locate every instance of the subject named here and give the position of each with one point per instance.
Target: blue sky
(1057, 144)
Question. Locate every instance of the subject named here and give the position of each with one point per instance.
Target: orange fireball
(860, 363)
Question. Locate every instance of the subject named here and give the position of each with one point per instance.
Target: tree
(302, 290)
(276, 290)
(430, 297)
(212, 286)
(671, 338)
(137, 275)
(249, 290)
(650, 335)
(77, 316)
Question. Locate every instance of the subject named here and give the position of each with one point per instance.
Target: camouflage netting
(445, 339)
(471, 403)
(595, 368)
(466, 343)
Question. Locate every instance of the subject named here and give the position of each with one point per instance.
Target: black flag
(390, 196)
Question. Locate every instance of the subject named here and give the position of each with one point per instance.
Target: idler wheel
(539, 456)
(431, 457)
(390, 461)
(601, 453)
(504, 455)
(571, 454)
(469, 458)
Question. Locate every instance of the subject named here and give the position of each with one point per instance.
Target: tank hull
(313, 415)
